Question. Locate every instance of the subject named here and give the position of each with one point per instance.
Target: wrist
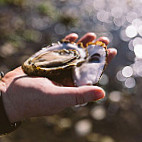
(7, 103)
(6, 126)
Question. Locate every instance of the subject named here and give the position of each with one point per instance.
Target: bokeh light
(131, 31)
(127, 71)
(104, 80)
(130, 82)
(140, 30)
(64, 123)
(137, 40)
(131, 15)
(115, 96)
(83, 127)
(137, 67)
(119, 76)
(98, 112)
(138, 50)
(130, 45)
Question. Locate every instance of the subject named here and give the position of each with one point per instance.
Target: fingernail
(104, 40)
(74, 34)
(112, 50)
(100, 94)
(91, 33)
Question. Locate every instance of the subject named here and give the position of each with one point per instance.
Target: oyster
(91, 70)
(68, 63)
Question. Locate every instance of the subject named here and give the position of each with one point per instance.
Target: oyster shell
(91, 70)
(68, 63)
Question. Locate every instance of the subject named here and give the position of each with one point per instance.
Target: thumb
(79, 95)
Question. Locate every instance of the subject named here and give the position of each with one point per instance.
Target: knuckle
(80, 99)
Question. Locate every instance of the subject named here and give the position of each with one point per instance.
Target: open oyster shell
(91, 70)
(68, 63)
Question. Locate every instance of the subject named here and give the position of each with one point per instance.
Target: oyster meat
(69, 63)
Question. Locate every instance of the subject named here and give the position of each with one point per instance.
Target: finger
(18, 72)
(71, 37)
(104, 40)
(71, 96)
(111, 51)
(15, 73)
(111, 54)
(89, 37)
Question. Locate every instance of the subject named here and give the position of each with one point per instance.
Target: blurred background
(26, 26)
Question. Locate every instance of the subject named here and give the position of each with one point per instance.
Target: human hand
(26, 97)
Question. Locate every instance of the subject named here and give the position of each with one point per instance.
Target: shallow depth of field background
(28, 25)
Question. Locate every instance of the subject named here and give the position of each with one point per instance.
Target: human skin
(25, 97)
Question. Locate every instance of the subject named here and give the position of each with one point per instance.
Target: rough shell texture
(68, 63)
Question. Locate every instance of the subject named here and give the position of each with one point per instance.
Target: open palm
(26, 97)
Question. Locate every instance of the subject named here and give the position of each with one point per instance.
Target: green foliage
(13, 2)
(31, 35)
(2, 2)
(47, 9)
(68, 20)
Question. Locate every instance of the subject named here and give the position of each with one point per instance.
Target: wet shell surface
(69, 63)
